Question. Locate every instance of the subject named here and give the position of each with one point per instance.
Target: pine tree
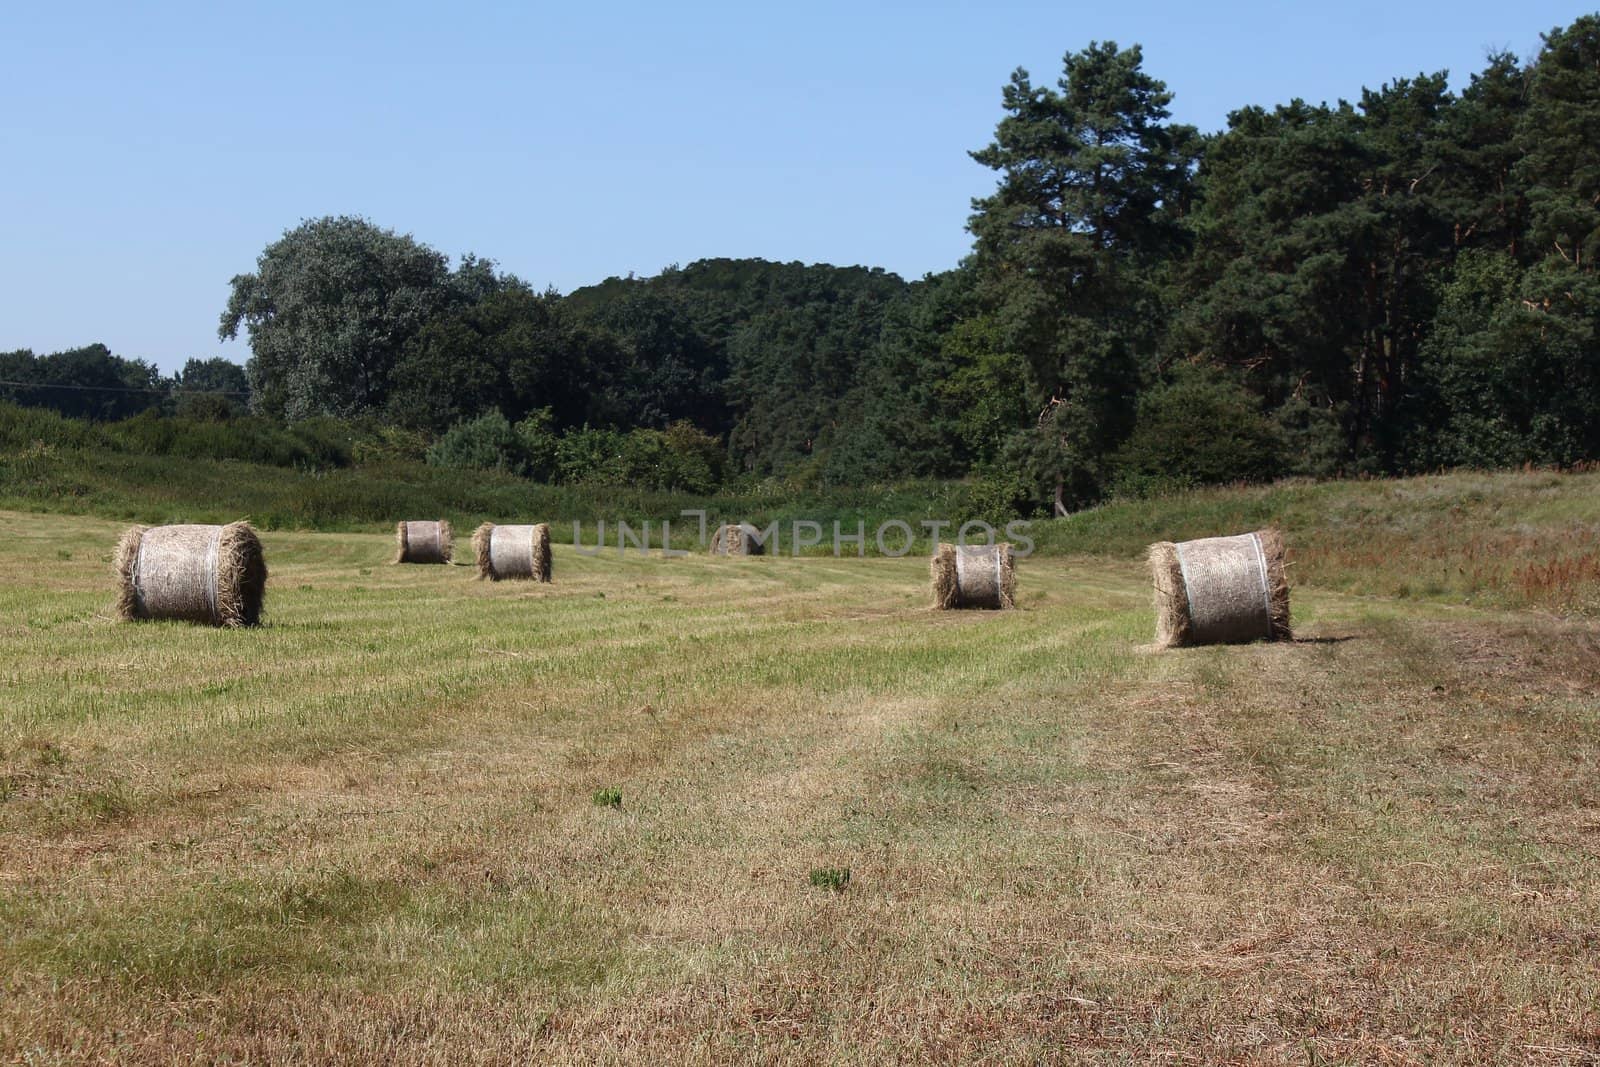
(1093, 182)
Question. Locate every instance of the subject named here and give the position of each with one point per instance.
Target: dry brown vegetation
(369, 830)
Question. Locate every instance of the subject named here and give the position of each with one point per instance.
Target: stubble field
(370, 829)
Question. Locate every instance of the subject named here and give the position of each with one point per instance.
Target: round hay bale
(429, 541)
(512, 552)
(978, 576)
(737, 539)
(210, 574)
(1221, 590)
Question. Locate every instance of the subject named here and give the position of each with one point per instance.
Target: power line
(128, 389)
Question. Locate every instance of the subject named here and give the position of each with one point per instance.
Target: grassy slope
(367, 829)
(40, 476)
(1509, 538)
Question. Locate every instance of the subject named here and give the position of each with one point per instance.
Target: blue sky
(149, 155)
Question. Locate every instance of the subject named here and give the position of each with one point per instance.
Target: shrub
(701, 459)
(206, 407)
(25, 427)
(538, 442)
(389, 444)
(1200, 428)
(591, 457)
(677, 459)
(996, 495)
(484, 443)
(328, 441)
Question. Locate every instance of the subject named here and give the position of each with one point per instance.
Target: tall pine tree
(1093, 180)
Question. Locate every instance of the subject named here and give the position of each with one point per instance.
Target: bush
(329, 441)
(1200, 428)
(317, 444)
(674, 460)
(485, 443)
(680, 458)
(538, 442)
(206, 407)
(389, 444)
(996, 495)
(24, 427)
(1025, 471)
(591, 457)
(701, 458)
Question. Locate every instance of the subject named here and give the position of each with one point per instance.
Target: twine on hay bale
(737, 539)
(512, 551)
(1221, 590)
(210, 574)
(429, 541)
(977, 576)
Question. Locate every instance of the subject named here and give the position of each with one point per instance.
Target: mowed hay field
(369, 830)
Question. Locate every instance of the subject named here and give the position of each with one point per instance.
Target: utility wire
(128, 389)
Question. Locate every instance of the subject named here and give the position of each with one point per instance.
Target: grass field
(385, 825)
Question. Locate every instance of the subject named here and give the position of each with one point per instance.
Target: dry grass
(367, 831)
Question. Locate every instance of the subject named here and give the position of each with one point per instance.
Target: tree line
(93, 383)
(1402, 282)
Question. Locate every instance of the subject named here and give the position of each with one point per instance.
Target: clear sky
(151, 151)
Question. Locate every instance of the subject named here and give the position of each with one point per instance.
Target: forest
(1400, 283)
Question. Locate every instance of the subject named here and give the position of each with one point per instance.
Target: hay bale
(512, 552)
(210, 574)
(978, 576)
(429, 541)
(1221, 590)
(737, 539)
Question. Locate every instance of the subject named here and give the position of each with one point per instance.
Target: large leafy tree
(1514, 357)
(514, 351)
(1509, 368)
(329, 308)
(214, 375)
(1404, 245)
(896, 423)
(1557, 308)
(1093, 184)
(791, 368)
(1199, 428)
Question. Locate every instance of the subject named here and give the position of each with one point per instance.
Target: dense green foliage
(1093, 186)
(1402, 283)
(330, 307)
(679, 458)
(367, 480)
(93, 383)
(1200, 428)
